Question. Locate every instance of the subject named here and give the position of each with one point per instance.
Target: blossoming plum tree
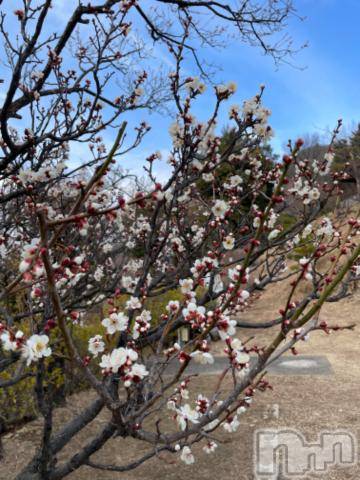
(69, 233)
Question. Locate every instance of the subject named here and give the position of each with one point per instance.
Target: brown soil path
(308, 403)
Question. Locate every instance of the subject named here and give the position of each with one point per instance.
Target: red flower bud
(287, 159)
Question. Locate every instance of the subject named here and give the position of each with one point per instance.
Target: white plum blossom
(208, 177)
(203, 358)
(226, 90)
(234, 274)
(307, 268)
(202, 404)
(186, 285)
(107, 248)
(256, 222)
(176, 132)
(229, 242)
(79, 259)
(177, 244)
(235, 180)
(263, 130)
(187, 456)
(242, 357)
(171, 404)
(139, 370)
(133, 303)
(307, 230)
(304, 261)
(271, 221)
(96, 345)
(241, 410)
(128, 283)
(36, 347)
(130, 244)
(194, 85)
(218, 284)
(244, 294)
(309, 195)
(325, 228)
(273, 234)
(234, 111)
(231, 424)
(326, 165)
(136, 374)
(24, 265)
(184, 392)
(236, 344)
(210, 447)
(226, 327)
(43, 173)
(115, 322)
(173, 306)
(236, 352)
(314, 194)
(186, 414)
(10, 342)
(220, 208)
(27, 254)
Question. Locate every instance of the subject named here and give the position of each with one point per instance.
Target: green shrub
(18, 402)
(287, 221)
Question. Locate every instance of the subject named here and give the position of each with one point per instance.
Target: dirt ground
(308, 403)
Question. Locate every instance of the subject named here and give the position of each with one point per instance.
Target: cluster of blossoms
(236, 353)
(254, 113)
(195, 86)
(44, 173)
(194, 314)
(203, 265)
(122, 361)
(31, 349)
(326, 228)
(142, 324)
(305, 191)
(234, 184)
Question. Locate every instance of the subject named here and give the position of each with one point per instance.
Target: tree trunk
(32, 472)
(30, 475)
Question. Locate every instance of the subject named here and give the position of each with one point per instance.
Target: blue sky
(326, 88)
(323, 86)
(309, 97)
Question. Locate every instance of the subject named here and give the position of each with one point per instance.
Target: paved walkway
(287, 365)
